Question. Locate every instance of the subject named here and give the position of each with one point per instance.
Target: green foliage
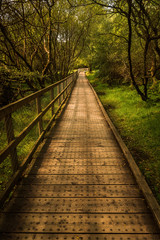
(124, 44)
(107, 49)
(43, 37)
(138, 124)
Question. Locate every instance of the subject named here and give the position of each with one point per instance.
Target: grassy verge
(138, 123)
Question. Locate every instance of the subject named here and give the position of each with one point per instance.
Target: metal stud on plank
(88, 191)
(79, 179)
(78, 162)
(83, 223)
(78, 236)
(73, 205)
(62, 169)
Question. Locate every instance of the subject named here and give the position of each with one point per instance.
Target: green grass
(138, 123)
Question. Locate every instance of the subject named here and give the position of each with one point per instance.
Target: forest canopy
(42, 41)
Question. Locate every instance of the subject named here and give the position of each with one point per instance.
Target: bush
(110, 72)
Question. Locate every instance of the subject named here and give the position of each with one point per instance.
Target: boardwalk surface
(80, 186)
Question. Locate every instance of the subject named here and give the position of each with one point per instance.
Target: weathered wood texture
(80, 185)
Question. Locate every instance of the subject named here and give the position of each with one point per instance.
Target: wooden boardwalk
(80, 186)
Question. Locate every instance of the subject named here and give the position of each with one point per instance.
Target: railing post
(66, 85)
(10, 137)
(52, 97)
(73, 79)
(39, 110)
(58, 91)
(63, 89)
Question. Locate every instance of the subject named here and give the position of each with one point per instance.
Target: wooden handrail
(14, 106)
(6, 112)
(13, 144)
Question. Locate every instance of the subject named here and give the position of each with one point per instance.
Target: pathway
(80, 186)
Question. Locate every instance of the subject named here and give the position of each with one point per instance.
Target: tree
(143, 25)
(42, 37)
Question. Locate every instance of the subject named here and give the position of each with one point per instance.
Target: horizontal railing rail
(63, 90)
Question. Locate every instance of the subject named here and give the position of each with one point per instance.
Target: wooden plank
(79, 223)
(75, 191)
(77, 205)
(78, 236)
(66, 169)
(80, 179)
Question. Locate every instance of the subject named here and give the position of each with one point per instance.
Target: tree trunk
(145, 83)
(143, 97)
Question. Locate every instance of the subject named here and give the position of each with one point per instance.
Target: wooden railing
(63, 91)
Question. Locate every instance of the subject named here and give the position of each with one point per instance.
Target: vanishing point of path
(80, 186)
